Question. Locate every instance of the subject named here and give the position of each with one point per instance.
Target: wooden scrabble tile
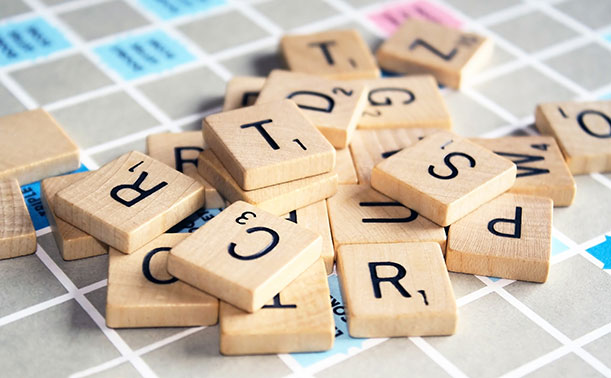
(410, 101)
(298, 319)
(276, 199)
(141, 292)
(542, 170)
(129, 201)
(448, 177)
(242, 91)
(72, 243)
(244, 256)
(369, 147)
(344, 166)
(583, 132)
(315, 218)
(400, 289)
(180, 151)
(34, 146)
(335, 54)
(360, 215)
(268, 144)
(333, 106)
(427, 47)
(17, 235)
(508, 237)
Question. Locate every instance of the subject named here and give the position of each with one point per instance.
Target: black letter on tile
(324, 47)
(517, 222)
(146, 267)
(263, 252)
(259, 126)
(180, 161)
(375, 279)
(452, 167)
(582, 123)
(278, 304)
(329, 100)
(114, 193)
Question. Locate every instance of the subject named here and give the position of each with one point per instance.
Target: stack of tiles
(328, 162)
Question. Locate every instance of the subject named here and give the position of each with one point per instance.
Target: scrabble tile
(370, 147)
(315, 218)
(360, 215)
(298, 319)
(180, 151)
(344, 166)
(427, 47)
(333, 106)
(268, 144)
(242, 91)
(276, 199)
(35, 147)
(410, 101)
(244, 256)
(508, 237)
(400, 289)
(129, 201)
(141, 292)
(17, 235)
(583, 132)
(541, 169)
(72, 243)
(448, 177)
(335, 54)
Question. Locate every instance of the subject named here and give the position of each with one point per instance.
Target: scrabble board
(114, 71)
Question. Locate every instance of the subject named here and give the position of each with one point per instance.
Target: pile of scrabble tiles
(326, 163)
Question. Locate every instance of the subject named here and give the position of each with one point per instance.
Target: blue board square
(167, 9)
(143, 54)
(31, 195)
(27, 40)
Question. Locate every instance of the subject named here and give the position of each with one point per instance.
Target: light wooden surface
(244, 256)
(335, 54)
(448, 177)
(344, 167)
(360, 215)
(34, 146)
(419, 46)
(242, 91)
(299, 319)
(583, 132)
(409, 101)
(508, 237)
(277, 199)
(141, 292)
(72, 243)
(333, 106)
(398, 289)
(268, 144)
(315, 218)
(17, 235)
(129, 201)
(180, 151)
(369, 147)
(541, 169)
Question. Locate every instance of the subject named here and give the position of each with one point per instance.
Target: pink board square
(390, 18)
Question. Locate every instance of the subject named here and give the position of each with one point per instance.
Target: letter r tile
(268, 144)
(448, 177)
(508, 237)
(244, 256)
(129, 201)
(399, 289)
